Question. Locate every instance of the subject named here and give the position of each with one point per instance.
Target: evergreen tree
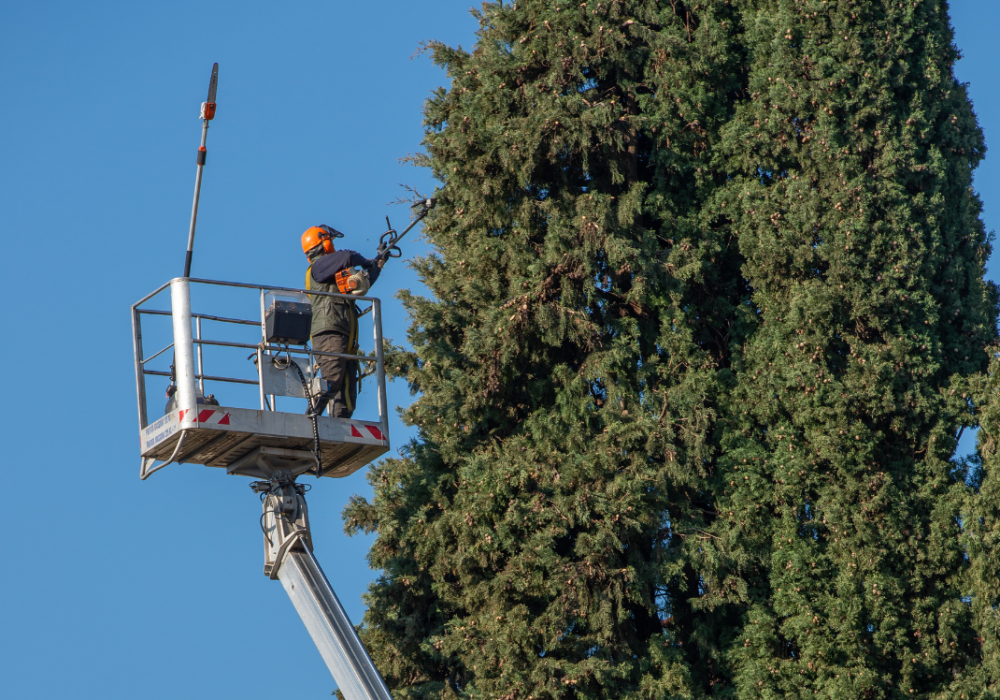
(980, 521)
(851, 199)
(570, 366)
(708, 315)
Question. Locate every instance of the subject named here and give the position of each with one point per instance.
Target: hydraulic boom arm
(288, 557)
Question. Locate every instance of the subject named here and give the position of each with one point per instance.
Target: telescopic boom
(288, 557)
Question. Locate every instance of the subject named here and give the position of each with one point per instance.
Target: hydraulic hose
(283, 364)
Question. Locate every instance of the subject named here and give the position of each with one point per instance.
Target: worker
(335, 319)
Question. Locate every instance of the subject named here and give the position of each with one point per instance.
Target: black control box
(287, 322)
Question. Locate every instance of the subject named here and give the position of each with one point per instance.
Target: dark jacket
(330, 314)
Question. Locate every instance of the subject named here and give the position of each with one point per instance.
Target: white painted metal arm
(330, 629)
(288, 557)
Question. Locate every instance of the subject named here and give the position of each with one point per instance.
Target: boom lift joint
(285, 520)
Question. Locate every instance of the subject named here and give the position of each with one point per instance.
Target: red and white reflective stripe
(376, 433)
(205, 416)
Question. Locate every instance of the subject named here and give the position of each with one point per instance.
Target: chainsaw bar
(213, 84)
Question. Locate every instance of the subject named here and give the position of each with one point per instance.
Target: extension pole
(207, 114)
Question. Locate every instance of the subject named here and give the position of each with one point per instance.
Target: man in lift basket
(335, 320)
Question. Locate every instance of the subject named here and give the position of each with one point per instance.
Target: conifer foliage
(708, 313)
(851, 199)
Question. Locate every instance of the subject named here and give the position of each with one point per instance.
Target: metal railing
(189, 364)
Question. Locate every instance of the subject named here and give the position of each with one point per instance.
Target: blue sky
(111, 587)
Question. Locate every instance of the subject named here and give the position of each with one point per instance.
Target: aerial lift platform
(238, 438)
(261, 441)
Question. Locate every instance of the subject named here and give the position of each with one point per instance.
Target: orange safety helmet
(319, 235)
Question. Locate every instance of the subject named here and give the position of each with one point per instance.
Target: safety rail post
(383, 410)
(268, 402)
(201, 368)
(140, 374)
(260, 377)
(184, 374)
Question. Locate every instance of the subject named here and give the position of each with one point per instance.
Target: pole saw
(207, 115)
(388, 242)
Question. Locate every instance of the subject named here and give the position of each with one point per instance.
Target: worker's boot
(319, 405)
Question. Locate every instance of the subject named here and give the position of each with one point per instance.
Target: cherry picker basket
(258, 440)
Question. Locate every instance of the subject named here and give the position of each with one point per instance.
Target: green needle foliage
(851, 199)
(708, 314)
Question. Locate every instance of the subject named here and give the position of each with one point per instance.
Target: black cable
(262, 529)
(317, 452)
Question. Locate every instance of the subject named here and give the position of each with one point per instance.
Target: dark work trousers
(343, 389)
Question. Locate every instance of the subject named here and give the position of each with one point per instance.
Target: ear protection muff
(331, 233)
(319, 235)
(326, 242)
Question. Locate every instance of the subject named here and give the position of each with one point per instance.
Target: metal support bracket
(285, 521)
(273, 463)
